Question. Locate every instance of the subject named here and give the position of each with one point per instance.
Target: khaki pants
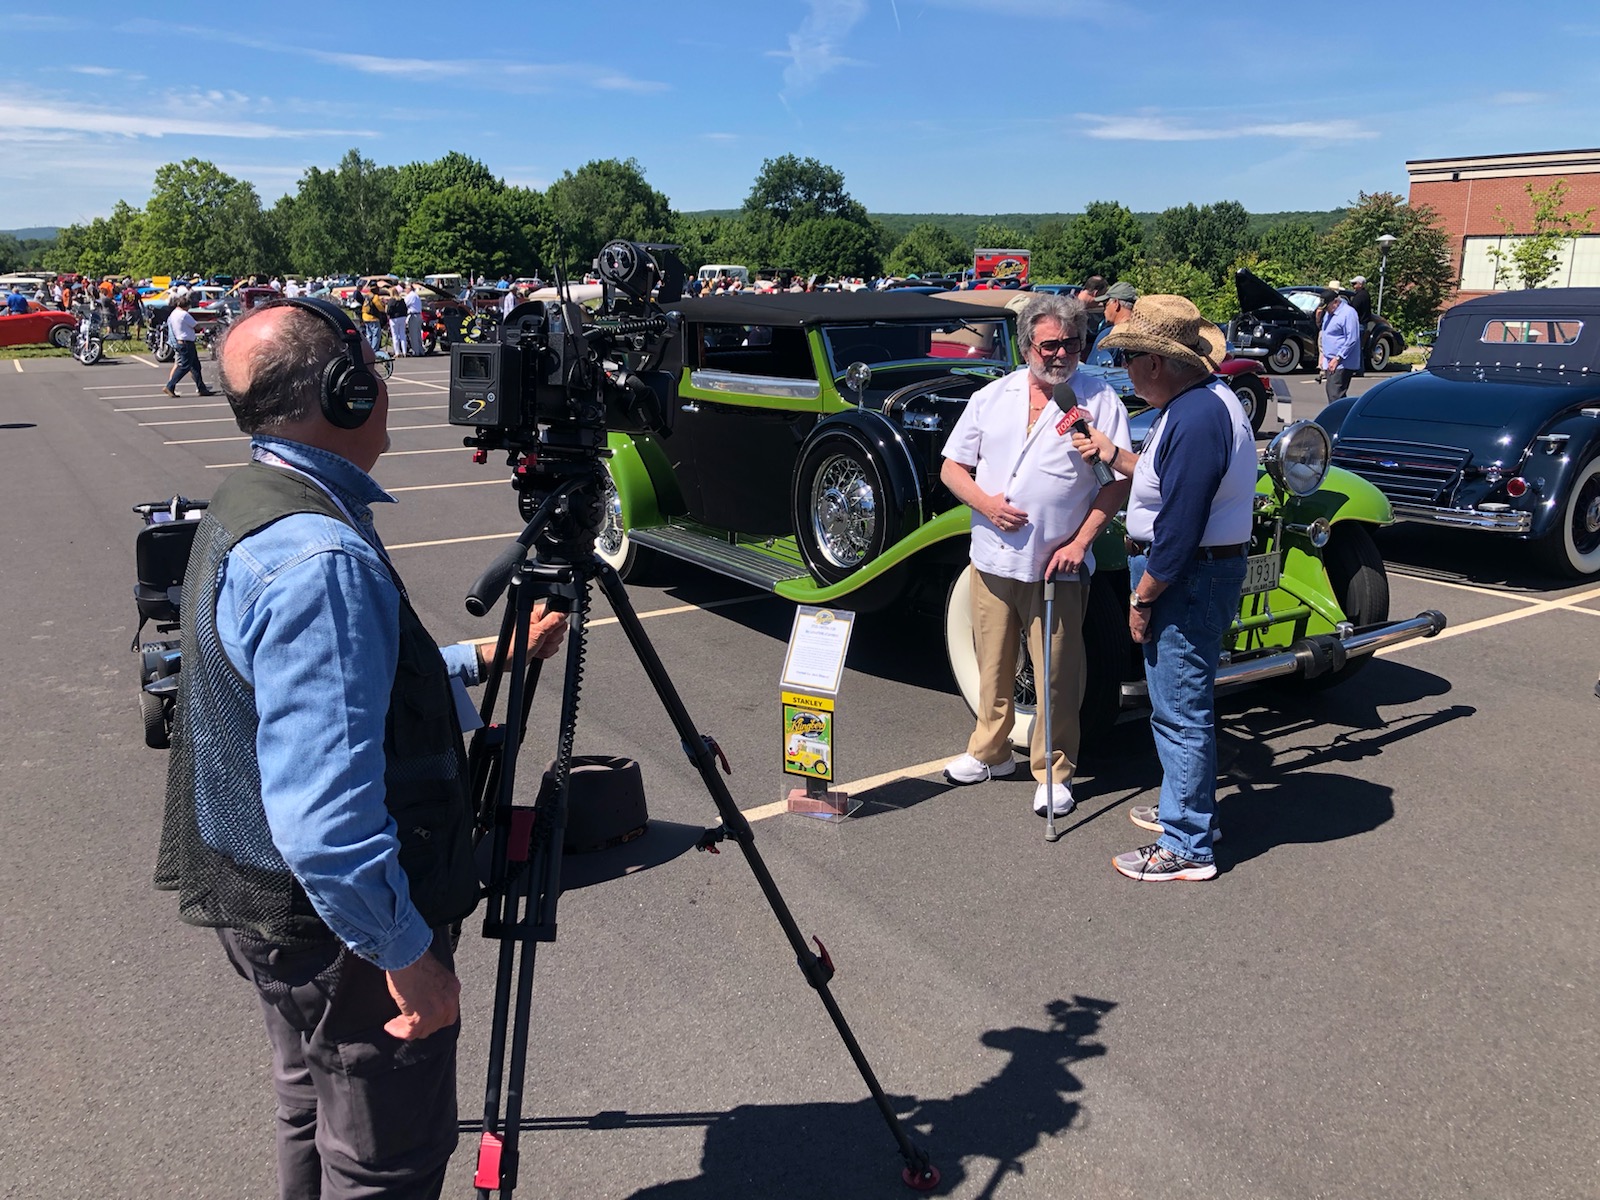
(1001, 610)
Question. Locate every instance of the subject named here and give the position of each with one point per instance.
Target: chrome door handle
(690, 407)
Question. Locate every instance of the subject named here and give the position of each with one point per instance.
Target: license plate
(1261, 573)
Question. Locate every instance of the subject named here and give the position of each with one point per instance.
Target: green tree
(1533, 256)
(832, 246)
(992, 235)
(604, 199)
(1418, 277)
(1209, 237)
(1106, 240)
(465, 229)
(1164, 277)
(788, 188)
(311, 228)
(10, 254)
(199, 219)
(415, 181)
(927, 249)
(1288, 253)
(370, 221)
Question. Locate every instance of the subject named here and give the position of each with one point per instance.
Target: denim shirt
(308, 611)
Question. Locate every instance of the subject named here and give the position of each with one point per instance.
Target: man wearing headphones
(317, 811)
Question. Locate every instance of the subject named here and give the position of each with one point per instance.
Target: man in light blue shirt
(317, 811)
(1341, 344)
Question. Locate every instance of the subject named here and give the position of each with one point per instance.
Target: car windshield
(1304, 301)
(918, 341)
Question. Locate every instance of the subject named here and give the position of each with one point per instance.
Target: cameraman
(317, 810)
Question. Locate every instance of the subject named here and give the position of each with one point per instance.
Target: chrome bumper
(1509, 521)
(1314, 656)
(1248, 352)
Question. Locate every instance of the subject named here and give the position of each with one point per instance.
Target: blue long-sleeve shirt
(1341, 337)
(308, 612)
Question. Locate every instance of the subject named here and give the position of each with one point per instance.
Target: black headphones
(349, 388)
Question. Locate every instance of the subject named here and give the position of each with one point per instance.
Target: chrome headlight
(1299, 457)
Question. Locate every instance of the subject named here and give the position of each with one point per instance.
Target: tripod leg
(919, 1173)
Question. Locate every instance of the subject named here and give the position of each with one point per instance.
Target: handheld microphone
(1077, 421)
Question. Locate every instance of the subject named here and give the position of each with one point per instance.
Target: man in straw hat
(1189, 516)
(1036, 510)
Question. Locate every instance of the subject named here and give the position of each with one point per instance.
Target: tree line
(454, 214)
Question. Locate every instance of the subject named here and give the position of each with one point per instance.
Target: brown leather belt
(1201, 554)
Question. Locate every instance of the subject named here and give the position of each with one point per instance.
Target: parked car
(804, 460)
(40, 327)
(1278, 326)
(1500, 433)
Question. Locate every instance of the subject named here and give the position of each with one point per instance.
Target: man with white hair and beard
(1036, 510)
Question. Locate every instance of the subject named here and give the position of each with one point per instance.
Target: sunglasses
(1131, 356)
(1059, 346)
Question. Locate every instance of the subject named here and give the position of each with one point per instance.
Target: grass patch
(131, 346)
(1415, 357)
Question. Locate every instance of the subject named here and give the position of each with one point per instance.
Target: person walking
(181, 331)
(1036, 510)
(1189, 520)
(1341, 345)
(318, 814)
(413, 320)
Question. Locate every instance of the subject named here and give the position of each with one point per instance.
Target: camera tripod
(525, 872)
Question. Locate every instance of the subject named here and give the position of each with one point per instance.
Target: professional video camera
(561, 375)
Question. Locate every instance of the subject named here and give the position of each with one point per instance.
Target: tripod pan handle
(492, 583)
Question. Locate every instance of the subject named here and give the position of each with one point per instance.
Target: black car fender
(889, 445)
(1332, 417)
(1550, 475)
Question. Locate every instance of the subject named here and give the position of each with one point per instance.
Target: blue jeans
(374, 331)
(187, 362)
(1187, 624)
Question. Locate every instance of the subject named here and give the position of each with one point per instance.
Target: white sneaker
(967, 769)
(1063, 801)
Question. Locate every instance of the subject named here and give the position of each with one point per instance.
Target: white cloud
(1151, 127)
(1032, 9)
(814, 48)
(719, 137)
(45, 117)
(1521, 97)
(107, 73)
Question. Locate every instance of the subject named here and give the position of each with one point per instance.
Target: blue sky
(925, 105)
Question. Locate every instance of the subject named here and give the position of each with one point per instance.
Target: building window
(1577, 262)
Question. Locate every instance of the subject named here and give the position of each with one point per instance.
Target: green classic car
(804, 460)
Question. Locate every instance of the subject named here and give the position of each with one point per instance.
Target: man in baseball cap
(1119, 298)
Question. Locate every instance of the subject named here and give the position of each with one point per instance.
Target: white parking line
(482, 537)
(149, 362)
(1534, 608)
(387, 454)
(230, 420)
(160, 407)
(246, 437)
(855, 787)
(683, 608)
(17, 363)
(434, 487)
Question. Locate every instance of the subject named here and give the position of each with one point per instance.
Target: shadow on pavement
(843, 1149)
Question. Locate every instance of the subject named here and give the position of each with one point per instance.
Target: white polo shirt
(1040, 473)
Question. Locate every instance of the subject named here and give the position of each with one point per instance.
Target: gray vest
(216, 850)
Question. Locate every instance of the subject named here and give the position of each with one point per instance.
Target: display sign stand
(813, 670)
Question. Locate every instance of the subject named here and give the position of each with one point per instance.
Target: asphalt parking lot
(1388, 992)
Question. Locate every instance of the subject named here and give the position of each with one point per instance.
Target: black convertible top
(829, 308)
(1531, 329)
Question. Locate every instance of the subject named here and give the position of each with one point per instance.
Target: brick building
(1471, 194)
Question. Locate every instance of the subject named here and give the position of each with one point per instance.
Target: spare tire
(843, 508)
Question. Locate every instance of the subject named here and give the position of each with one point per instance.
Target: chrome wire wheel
(844, 511)
(611, 539)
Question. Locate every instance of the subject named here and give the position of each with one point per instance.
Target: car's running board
(714, 554)
(1309, 657)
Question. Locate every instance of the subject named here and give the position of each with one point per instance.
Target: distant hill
(965, 225)
(39, 233)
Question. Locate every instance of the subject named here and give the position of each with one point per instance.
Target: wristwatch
(1139, 605)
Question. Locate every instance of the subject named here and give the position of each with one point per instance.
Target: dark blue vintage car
(1500, 433)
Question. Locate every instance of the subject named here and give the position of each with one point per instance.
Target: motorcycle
(88, 340)
(206, 337)
(157, 338)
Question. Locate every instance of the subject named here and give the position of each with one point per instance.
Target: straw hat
(1171, 327)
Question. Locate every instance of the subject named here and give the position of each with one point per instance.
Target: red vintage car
(46, 326)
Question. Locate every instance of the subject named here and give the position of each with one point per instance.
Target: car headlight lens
(1299, 457)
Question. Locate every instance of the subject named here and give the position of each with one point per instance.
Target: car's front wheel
(1106, 646)
(1360, 585)
(1285, 360)
(1378, 354)
(1572, 548)
(61, 337)
(611, 542)
(841, 508)
(1252, 398)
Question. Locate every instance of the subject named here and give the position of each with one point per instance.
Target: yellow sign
(807, 736)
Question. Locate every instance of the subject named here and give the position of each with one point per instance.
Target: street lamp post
(1386, 240)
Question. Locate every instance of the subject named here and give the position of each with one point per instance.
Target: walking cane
(1043, 688)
